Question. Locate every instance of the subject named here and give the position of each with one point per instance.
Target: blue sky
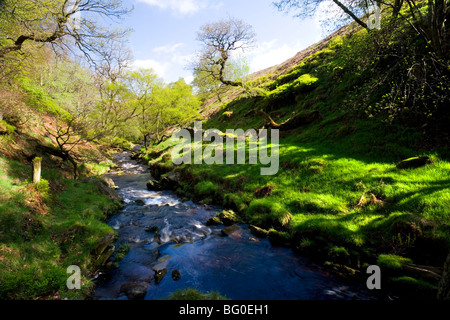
(164, 36)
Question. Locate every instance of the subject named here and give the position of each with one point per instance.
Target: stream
(193, 255)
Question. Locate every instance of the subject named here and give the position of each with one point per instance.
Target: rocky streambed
(170, 245)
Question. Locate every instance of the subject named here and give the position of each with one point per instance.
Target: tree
(305, 8)
(145, 85)
(220, 40)
(172, 105)
(431, 24)
(64, 24)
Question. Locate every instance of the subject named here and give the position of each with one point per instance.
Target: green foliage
(392, 262)
(43, 186)
(5, 127)
(39, 99)
(122, 251)
(122, 143)
(36, 248)
(208, 190)
(32, 282)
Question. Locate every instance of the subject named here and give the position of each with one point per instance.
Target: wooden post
(37, 169)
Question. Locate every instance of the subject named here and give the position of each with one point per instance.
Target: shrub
(43, 187)
(392, 262)
(304, 83)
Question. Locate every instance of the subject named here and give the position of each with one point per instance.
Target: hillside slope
(339, 196)
(58, 222)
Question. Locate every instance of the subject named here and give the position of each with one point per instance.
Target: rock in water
(260, 233)
(414, 162)
(176, 275)
(214, 221)
(134, 290)
(228, 217)
(160, 275)
(229, 230)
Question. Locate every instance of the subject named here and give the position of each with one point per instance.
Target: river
(165, 234)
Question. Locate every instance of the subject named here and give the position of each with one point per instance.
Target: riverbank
(49, 226)
(172, 245)
(341, 209)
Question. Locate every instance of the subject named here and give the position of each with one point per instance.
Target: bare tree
(305, 8)
(64, 24)
(220, 40)
(66, 139)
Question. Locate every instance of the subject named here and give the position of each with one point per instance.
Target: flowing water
(239, 266)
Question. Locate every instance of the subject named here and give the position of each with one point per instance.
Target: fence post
(37, 169)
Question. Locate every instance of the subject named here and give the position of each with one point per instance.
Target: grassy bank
(45, 228)
(338, 196)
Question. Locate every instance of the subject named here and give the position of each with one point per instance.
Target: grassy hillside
(338, 196)
(46, 227)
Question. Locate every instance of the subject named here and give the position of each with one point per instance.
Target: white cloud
(168, 48)
(161, 68)
(269, 54)
(178, 6)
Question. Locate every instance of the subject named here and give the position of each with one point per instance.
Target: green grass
(338, 194)
(41, 236)
(194, 294)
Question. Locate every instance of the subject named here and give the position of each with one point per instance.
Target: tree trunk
(291, 123)
(351, 14)
(37, 170)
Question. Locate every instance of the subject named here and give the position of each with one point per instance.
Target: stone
(228, 217)
(214, 221)
(259, 232)
(134, 290)
(160, 275)
(166, 183)
(103, 188)
(152, 229)
(108, 182)
(230, 229)
(176, 275)
(104, 250)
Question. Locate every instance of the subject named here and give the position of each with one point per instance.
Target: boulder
(230, 229)
(169, 182)
(176, 275)
(259, 232)
(414, 162)
(108, 182)
(103, 188)
(134, 290)
(214, 221)
(160, 275)
(229, 217)
(104, 249)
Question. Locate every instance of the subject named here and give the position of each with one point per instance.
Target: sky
(164, 33)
